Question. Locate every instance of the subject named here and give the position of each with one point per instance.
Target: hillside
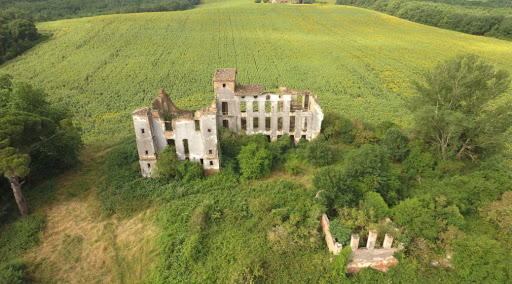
(355, 59)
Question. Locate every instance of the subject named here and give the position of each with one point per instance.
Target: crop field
(358, 61)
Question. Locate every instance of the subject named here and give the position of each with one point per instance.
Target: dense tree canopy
(17, 33)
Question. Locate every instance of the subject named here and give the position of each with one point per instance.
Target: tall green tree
(455, 111)
(35, 138)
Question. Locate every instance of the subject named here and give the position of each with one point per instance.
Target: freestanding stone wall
(370, 256)
(332, 244)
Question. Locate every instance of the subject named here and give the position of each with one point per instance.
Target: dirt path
(80, 245)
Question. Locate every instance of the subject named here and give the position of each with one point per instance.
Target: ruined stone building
(242, 108)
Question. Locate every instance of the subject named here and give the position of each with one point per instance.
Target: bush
(478, 259)
(339, 232)
(20, 236)
(255, 161)
(396, 144)
(167, 164)
(374, 206)
(189, 171)
(13, 273)
(417, 217)
(292, 165)
(319, 153)
(337, 128)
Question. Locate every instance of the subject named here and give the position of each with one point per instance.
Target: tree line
(48, 10)
(17, 33)
(488, 20)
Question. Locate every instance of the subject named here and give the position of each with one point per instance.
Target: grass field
(358, 61)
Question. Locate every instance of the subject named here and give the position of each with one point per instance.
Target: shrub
(20, 236)
(319, 153)
(255, 161)
(13, 273)
(337, 128)
(478, 259)
(339, 232)
(167, 164)
(374, 206)
(188, 171)
(293, 165)
(396, 144)
(417, 217)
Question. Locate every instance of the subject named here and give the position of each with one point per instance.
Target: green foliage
(20, 236)
(255, 161)
(189, 171)
(375, 206)
(13, 272)
(292, 165)
(167, 164)
(339, 263)
(396, 144)
(478, 259)
(337, 128)
(319, 153)
(472, 191)
(339, 232)
(47, 10)
(335, 187)
(489, 18)
(418, 217)
(418, 163)
(17, 33)
(456, 111)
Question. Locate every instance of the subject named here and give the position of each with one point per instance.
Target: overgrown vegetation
(490, 18)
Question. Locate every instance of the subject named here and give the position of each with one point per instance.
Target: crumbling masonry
(242, 108)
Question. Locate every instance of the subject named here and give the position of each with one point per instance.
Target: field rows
(357, 61)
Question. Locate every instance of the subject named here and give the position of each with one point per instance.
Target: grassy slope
(358, 61)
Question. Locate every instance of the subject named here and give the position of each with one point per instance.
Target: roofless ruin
(242, 108)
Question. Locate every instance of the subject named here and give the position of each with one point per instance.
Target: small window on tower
(198, 128)
(149, 165)
(209, 130)
(210, 152)
(211, 163)
(142, 130)
(223, 85)
(147, 152)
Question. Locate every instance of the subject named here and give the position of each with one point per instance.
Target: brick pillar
(354, 242)
(372, 239)
(388, 241)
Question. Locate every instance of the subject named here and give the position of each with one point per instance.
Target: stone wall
(332, 244)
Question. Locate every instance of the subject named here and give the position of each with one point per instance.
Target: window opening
(209, 130)
(210, 152)
(255, 106)
(255, 122)
(244, 123)
(149, 165)
(142, 130)
(211, 163)
(306, 101)
(225, 108)
(223, 85)
(268, 106)
(267, 123)
(147, 152)
(279, 123)
(198, 127)
(292, 123)
(185, 145)
(170, 142)
(305, 124)
(202, 161)
(243, 107)
(225, 123)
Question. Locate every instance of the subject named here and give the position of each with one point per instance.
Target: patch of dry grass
(80, 245)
